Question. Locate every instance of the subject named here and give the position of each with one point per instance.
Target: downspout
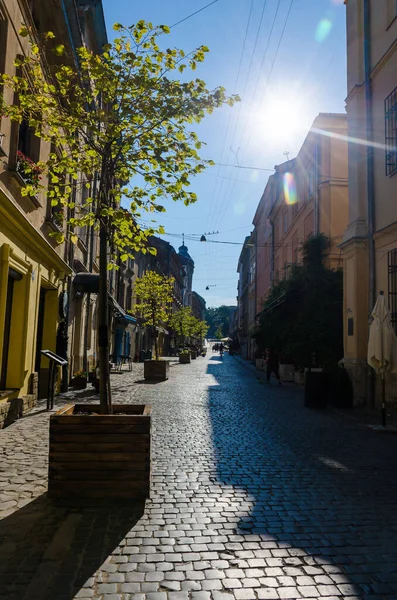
(65, 16)
(370, 179)
(317, 161)
(272, 255)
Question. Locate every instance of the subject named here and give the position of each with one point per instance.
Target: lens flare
(290, 189)
(323, 30)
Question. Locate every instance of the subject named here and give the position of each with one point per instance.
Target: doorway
(12, 277)
(40, 330)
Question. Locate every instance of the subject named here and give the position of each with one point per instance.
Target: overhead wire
(193, 14)
(226, 194)
(214, 203)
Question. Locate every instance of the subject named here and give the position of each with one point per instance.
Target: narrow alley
(253, 497)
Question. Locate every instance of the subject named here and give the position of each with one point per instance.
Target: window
(391, 132)
(392, 268)
(311, 182)
(285, 222)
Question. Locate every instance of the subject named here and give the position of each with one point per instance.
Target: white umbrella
(382, 345)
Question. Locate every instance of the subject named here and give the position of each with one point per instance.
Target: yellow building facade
(39, 307)
(33, 272)
(370, 241)
(306, 196)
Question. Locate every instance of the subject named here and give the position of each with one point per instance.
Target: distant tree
(201, 330)
(219, 333)
(218, 317)
(154, 297)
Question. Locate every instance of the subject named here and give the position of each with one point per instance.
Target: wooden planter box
(260, 364)
(287, 372)
(299, 377)
(184, 359)
(156, 369)
(78, 383)
(99, 459)
(193, 354)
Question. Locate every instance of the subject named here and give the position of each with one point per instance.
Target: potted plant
(79, 380)
(184, 357)
(28, 169)
(118, 114)
(154, 295)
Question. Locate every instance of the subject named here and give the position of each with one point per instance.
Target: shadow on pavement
(320, 493)
(61, 548)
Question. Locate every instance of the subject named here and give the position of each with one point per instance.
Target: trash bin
(316, 389)
(142, 356)
(148, 355)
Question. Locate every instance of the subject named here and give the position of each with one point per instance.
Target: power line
(244, 167)
(195, 13)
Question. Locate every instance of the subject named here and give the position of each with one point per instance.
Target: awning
(119, 312)
(87, 283)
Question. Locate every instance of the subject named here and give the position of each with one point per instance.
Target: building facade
(370, 240)
(245, 298)
(307, 195)
(38, 307)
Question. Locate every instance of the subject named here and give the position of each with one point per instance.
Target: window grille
(391, 132)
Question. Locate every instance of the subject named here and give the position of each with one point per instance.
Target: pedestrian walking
(272, 365)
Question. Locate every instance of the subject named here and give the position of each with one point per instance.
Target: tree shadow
(149, 381)
(49, 552)
(321, 494)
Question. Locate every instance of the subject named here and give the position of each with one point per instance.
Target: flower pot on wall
(156, 369)
(99, 459)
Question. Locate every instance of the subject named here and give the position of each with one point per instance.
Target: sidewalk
(362, 416)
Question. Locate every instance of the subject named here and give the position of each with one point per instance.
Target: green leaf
(23, 32)
(74, 238)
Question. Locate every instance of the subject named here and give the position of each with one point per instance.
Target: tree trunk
(103, 324)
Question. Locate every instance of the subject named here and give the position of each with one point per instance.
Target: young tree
(201, 330)
(154, 295)
(183, 323)
(119, 117)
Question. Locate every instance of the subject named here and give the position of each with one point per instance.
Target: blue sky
(282, 92)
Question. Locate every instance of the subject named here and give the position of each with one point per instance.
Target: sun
(282, 120)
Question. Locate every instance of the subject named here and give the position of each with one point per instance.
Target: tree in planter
(183, 323)
(118, 116)
(154, 294)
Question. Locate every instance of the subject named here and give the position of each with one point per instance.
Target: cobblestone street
(253, 497)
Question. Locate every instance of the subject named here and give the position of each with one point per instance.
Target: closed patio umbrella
(382, 346)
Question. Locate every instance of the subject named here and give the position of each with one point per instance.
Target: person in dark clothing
(272, 365)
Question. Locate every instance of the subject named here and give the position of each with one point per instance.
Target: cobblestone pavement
(253, 498)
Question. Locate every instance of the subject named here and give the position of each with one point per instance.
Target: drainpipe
(317, 162)
(272, 256)
(370, 178)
